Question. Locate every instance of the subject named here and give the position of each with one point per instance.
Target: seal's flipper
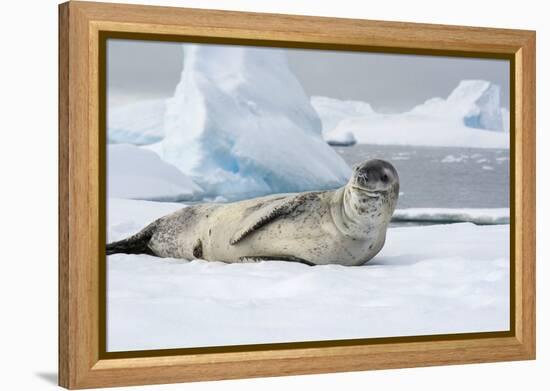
(135, 244)
(278, 258)
(269, 212)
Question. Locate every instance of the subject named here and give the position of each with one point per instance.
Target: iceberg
(137, 173)
(470, 116)
(475, 103)
(411, 129)
(241, 125)
(340, 138)
(137, 123)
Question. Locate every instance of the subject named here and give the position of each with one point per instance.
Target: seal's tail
(135, 244)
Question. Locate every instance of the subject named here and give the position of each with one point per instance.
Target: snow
(473, 215)
(139, 123)
(471, 116)
(241, 125)
(136, 173)
(435, 279)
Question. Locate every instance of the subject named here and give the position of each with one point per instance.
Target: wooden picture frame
(83, 27)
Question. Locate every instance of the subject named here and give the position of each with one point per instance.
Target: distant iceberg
(332, 111)
(241, 125)
(471, 116)
(340, 138)
(474, 103)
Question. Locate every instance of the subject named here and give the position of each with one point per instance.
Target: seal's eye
(384, 178)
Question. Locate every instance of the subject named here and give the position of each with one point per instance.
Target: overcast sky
(389, 82)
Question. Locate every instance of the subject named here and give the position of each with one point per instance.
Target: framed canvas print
(247, 195)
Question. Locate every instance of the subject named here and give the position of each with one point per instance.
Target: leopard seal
(345, 226)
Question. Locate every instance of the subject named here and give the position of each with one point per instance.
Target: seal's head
(363, 208)
(374, 179)
(372, 191)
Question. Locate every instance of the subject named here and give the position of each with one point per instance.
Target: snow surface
(471, 116)
(136, 173)
(472, 215)
(137, 123)
(427, 280)
(241, 125)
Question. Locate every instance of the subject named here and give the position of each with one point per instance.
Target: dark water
(437, 177)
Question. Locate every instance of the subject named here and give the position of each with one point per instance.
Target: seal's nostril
(384, 178)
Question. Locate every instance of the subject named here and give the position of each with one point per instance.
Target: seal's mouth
(369, 192)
